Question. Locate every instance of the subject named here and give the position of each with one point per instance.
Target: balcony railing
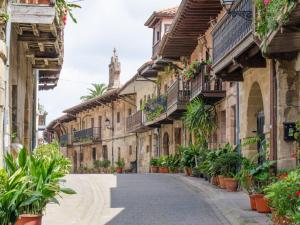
(64, 140)
(178, 94)
(230, 31)
(135, 121)
(87, 135)
(203, 85)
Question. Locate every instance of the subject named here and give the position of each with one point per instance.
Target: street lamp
(228, 5)
(108, 125)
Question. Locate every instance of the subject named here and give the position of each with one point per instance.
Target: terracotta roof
(191, 21)
(107, 97)
(64, 118)
(156, 15)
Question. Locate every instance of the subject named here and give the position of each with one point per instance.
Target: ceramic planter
(252, 201)
(231, 184)
(27, 219)
(222, 182)
(262, 204)
(188, 171)
(119, 170)
(154, 169)
(163, 169)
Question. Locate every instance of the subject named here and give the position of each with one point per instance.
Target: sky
(102, 25)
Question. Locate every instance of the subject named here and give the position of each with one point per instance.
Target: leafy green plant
(271, 14)
(189, 156)
(120, 163)
(154, 162)
(64, 8)
(155, 107)
(284, 196)
(200, 119)
(173, 162)
(163, 161)
(105, 163)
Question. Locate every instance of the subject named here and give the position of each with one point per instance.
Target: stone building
(96, 129)
(31, 49)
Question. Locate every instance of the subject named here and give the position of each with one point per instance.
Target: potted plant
(120, 165)
(105, 164)
(188, 158)
(284, 199)
(163, 164)
(173, 163)
(154, 165)
(32, 181)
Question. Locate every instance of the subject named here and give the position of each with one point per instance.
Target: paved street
(133, 199)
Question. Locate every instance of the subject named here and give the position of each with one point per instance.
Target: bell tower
(114, 71)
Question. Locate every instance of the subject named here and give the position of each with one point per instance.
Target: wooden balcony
(87, 136)
(203, 85)
(39, 28)
(135, 122)
(178, 97)
(234, 47)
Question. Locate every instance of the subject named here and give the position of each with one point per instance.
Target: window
(100, 121)
(83, 125)
(105, 153)
(129, 112)
(92, 122)
(148, 149)
(167, 27)
(118, 117)
(130, 150)
(157, 36)
(94, 154)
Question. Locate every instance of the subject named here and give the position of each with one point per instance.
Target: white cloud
(102, 25)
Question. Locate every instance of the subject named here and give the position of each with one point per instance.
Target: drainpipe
(238, 129)
(136, 151)
(273, 109)
(112, 133)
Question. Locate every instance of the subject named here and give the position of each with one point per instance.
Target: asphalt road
(132, 199)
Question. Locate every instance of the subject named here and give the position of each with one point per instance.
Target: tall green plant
(95, 91)
(200, 119)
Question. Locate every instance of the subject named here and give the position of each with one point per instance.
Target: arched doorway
(256, 119)
(166, 143)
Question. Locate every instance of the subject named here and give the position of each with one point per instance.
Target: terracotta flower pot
(262, 204)
(154, 169)
(282, 176)
(26, 219)
(215, 181)
(222, 182)
(176, 170)
(163, 169)
(188, 171)
(252, 201)
(231, 184)
(119, 170)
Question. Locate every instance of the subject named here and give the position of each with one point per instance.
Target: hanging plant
(270, 14)
(192, 71)
(64, 9)
(155, 107)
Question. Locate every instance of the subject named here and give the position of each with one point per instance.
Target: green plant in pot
(105, 165)
(33, 182)
(120, 165)
(154, 165)
(188, 158)
(174, 163)
(163, 164)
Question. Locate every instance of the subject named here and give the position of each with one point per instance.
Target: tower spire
(114, 71)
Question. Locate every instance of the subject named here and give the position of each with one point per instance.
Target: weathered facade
(32, 56)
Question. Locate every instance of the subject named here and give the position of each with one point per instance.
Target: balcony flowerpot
(27, 219)
(119, 170)
(221, 182)
(262, 204)
(231, 184)
(215, 181)
(154, 169)
(163, 169)
(188, 171)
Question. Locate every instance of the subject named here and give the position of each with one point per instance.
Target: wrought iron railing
(203, 83)
(87, 135)
(64, 139)
(230, 31)
(135, 120)
(178, 93)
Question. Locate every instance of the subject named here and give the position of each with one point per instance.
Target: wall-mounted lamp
(228, 4)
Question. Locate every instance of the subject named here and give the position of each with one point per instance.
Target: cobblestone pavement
(133, 199)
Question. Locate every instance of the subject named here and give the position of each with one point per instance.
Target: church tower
(114, 71)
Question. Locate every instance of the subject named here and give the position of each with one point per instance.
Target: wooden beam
(35, 30)
(41, 47)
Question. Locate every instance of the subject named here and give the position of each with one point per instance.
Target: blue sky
(102, 25)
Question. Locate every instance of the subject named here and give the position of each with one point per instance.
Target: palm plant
(97, 90)
(200, 119)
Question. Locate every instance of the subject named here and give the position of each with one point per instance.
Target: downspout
(238, 128)
(136, 151)
(112, 133)
(273, 109)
